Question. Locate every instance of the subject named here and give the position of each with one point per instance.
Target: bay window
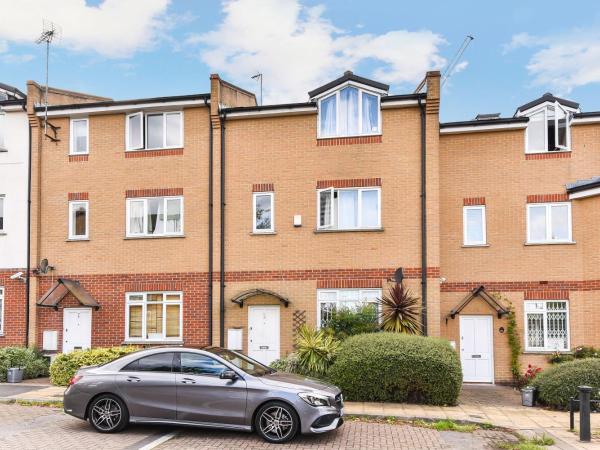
(153, 316)
(474, 226)
(152, 131)
(348, 209)
(351, 111)
(79, 137)
(330, 299)
(546, 325)
(549, 223)
(548, 129)
(154, 216)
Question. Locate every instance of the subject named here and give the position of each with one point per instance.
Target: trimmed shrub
(585, 351)
(66, 364)
(32, 362)
(558, 383)
(346, 322)
(396, 367)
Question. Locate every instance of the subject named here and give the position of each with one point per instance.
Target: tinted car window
(161, 362)
(195, 364)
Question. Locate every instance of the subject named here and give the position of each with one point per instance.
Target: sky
(148, 48)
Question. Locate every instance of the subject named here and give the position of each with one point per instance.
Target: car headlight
(315, 399)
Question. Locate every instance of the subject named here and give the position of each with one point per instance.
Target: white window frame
(3, 304)
(145, 234)
(548, 207)
(339, 303)
(144, 130)
(144, 303)
(336, 210)
(544, 108)
(337, 113)
(544, 312)
(72, 235)
(271, 195)
(2, 131)
(3, 213)
(73, 145)
(466, 209)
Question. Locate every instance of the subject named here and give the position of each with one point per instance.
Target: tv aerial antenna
(456, 59)
(259, 77)
(50, 32)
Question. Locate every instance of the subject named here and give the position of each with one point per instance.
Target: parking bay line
(161, 440)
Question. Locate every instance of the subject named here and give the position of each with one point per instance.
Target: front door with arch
(77, 329)
(263, 333)
(477, 348)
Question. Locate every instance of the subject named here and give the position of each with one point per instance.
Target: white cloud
(562, 62)
(297, 49)
(12, 58)
(3, 46)
(115, 28)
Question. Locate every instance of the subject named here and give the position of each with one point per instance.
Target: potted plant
(528, 392)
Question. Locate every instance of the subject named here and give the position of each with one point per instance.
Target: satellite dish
(399, 275)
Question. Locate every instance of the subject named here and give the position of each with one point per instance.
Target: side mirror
(228, 375)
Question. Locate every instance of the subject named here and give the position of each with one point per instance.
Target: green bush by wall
(66, 364)
(557, 383)
(396, 367)
(31, 361)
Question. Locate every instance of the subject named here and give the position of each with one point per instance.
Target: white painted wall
(13, 185)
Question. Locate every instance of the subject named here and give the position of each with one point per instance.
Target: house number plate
(264, 347)
(475, 356)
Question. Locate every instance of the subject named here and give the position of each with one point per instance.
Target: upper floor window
(79, 137)
(78, 220)
(548, 129)
(474, 232)
(152, 131)
(549, 222)
(154, 216)
(547, 325)
(2, 128)
(263, 210)
(2, 198)
(348, 209)
(351, 111)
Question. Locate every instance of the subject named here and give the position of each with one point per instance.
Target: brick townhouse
(206, 218)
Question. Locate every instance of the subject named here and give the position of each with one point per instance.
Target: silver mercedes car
(212, 387)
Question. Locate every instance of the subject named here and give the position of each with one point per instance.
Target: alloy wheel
(276, 423)
(106, 414)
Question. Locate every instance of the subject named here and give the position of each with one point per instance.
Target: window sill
(79, 154)
(353, 230)
(133, 238)
(262, 233)
(142, 342)
(547, 152)
(532, 244)
(349, 136)
(177, 147)
(77, 240)
(474, 245)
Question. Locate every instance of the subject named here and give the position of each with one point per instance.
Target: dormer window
(351, 111)
(548, 129)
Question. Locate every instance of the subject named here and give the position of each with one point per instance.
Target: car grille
(339, 400)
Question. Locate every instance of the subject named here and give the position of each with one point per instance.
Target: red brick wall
(14, 309)
(108, 323)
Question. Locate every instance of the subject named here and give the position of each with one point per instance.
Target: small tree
(399, 310)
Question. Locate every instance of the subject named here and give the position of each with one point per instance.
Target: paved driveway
(49, 428)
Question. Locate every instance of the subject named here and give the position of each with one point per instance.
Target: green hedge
(30, 360)
(66, 364)
(556, 384)
(395, 367)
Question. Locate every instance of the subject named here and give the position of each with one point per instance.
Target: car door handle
(133, 379)
(188, 381)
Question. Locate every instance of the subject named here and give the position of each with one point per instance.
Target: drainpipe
(222, 268)
(210, 225)
(27, 276)
(423, 219)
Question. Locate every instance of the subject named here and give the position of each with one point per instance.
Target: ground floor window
(154, 316)
(329, 299)
(1, 310)
(547, 325)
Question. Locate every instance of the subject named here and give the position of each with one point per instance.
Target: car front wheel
(108, 414)
(277, 422)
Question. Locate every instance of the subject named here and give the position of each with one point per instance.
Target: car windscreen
(242, 362)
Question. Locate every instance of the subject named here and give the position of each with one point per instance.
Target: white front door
(77, 329)
(263, 333)
(477, 348)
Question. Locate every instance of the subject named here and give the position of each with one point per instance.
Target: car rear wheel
(108, 414)
(277, 422)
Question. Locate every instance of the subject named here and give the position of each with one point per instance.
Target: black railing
(585, 407)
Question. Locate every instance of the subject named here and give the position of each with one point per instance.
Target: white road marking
(159, 441)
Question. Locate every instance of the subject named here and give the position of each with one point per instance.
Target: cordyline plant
(316, 350)
(399, 311)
